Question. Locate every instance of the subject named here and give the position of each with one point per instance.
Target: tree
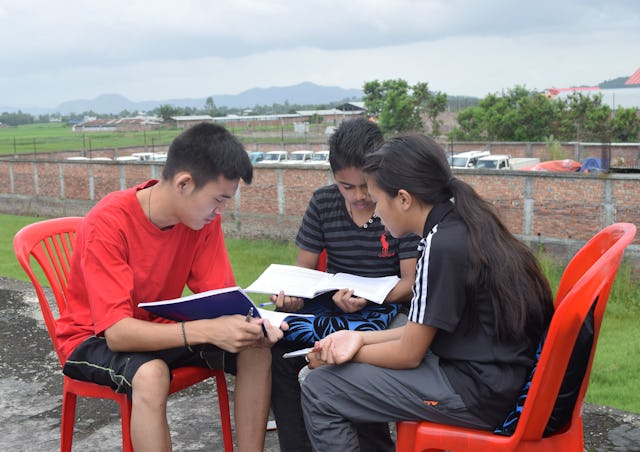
(166, 111)
(588, 117)
(521, 115)
(625, 125)
(436, 103)
(471, 125)
(210, 107)
(398, 106)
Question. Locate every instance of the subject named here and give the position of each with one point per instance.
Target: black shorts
(93, 361)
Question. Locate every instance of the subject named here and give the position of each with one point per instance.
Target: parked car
(256, 156)
(320, 157)
(300, 156)
(150, 156)
(127, 158)
(275, 157)
(77, 158)
(467, 159)
(506, 162)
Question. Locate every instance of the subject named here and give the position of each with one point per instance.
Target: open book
(306, 283)
(212, 304)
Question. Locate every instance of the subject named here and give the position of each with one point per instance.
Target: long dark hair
(520, 293)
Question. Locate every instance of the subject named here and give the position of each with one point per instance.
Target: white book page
(306, 283)
(277, 317)
(294, 281)
(373, 289)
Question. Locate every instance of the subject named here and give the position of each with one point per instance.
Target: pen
(268, 303)
(249, 314)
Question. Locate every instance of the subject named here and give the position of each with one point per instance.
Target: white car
(300, 157)
(275, 157)
(320, 157)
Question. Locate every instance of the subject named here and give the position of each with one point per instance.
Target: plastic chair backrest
(587, 279)
(584, 288)
(322, 261)
(51, 244)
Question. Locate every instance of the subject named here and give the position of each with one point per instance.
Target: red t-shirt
(121, 259)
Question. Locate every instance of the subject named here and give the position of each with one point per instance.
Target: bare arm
(307, 259)
(398, 348)
(231, 333)
(401, 293)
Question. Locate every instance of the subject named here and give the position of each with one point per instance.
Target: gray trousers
(336, 397)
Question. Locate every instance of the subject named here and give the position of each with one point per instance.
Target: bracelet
(184, 338)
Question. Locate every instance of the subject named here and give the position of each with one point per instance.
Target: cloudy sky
(55, 51)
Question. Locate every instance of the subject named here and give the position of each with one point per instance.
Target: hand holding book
(212, 304)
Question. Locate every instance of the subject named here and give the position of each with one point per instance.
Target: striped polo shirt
(364, 251)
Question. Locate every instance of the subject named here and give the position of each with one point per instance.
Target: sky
(57, 51)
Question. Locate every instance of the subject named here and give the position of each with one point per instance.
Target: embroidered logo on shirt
(431, 402)
(385, 246)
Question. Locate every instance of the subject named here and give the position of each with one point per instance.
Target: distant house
(634, 79)
(332, 115)
(184, 122)
(118, 125)
(352, 106)
(626, 97)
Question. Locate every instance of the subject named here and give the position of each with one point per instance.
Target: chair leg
(225, 417)
(68, 420)
(125, 421)
(406, 436)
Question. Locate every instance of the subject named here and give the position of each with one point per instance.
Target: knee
(256, 358)
(151, 382)
(308, 385)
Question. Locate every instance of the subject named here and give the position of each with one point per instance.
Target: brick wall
(558, 210)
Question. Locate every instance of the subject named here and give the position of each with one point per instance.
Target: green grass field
(614, 379)
(36, 138)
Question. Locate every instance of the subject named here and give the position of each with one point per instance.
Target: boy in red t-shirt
(144, 244)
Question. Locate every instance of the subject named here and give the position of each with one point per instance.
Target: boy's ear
(405, 199)
(181, 181)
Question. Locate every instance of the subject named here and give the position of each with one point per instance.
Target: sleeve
(108, 278)
(408, 247)
(310, 236)
(439, 291)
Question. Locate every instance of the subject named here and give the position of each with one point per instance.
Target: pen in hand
(249, 315)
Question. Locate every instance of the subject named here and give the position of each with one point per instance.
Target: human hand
(314, 360)
(286, 303)
(337, 348)
(345, 300)
(234, 333)
(274, 334)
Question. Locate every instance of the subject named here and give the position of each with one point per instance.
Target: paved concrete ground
(30, 397)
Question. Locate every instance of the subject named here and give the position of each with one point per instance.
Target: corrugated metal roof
(634, 79)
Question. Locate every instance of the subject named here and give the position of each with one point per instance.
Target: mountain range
(305, 93)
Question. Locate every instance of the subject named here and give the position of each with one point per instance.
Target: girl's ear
(404, 198)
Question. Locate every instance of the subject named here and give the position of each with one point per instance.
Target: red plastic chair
(51, 243)
(586, 280)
